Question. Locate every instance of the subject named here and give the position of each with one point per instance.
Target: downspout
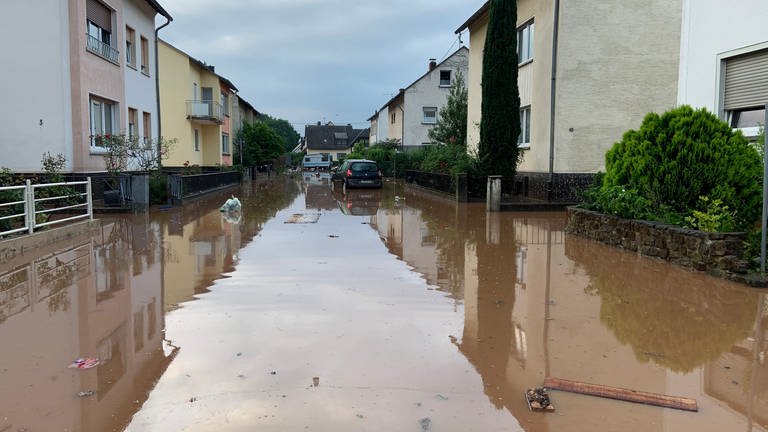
(552, 96)
(157, 96)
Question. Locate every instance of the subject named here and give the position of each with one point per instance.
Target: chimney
(432, 64)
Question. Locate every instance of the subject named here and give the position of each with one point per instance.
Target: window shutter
(746, 81)
(99, 14)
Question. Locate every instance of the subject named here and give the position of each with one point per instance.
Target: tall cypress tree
(500, 122)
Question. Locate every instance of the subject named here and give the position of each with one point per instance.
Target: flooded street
(383, 310)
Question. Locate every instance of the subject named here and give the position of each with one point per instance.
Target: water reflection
(100, 297)
(538, 303)
(104, 295)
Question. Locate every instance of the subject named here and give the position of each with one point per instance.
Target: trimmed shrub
(682, 155)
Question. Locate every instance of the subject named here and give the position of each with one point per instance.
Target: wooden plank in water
(628, 395)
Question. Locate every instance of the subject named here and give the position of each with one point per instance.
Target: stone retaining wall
(716, 253)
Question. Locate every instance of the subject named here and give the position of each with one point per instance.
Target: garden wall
(716, 253)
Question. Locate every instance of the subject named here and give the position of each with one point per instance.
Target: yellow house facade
(192, 109)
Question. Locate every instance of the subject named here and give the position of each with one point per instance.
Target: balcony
(205, 112)
(102, 49)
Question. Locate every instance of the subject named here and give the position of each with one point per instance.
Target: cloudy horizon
(310, 60)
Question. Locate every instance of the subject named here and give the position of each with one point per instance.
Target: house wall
(477, 32)
(427, 92)
(615, 64)
(93, 75)
(700, 44)
(38, 112)
(395, 130)
(176, 78)
(226, 127)
(140, 89)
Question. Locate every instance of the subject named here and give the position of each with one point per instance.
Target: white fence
(29, 207)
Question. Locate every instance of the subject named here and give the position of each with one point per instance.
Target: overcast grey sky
(314, 60)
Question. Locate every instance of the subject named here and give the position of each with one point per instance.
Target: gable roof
(475, 16)
(323, 137)
(402, 91)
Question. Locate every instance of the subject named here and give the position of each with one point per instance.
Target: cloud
(303, 60)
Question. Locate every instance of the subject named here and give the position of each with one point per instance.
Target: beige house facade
(587, 73)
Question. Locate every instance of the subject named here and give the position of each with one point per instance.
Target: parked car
(354, 173)
(364, 202)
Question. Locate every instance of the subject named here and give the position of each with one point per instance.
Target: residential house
(196, 105)
(92, 73)
(413, 111)
(336, 141)
(725, 71)
(593, 72)
(242, 112)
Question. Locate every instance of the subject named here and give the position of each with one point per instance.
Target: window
(103, 119)
(130, 47)
(445, 78)
(132, 122)
(525, 43)
(225, 144)
(341, 156)
(197, 140)
(144, 55)
(225, 103)
(147, 122)
(524, 140)
(340, 139)
(393, 117)
(745, 91)
(430, 115)
(99, 28)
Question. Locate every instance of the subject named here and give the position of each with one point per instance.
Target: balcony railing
(102, 49)
(205, 111)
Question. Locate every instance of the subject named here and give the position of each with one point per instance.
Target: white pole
(765, 192)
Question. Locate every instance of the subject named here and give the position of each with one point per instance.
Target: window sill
(429, 124)
(132, 66)
(524, 146)
(445, 86)
(98, 151)
(525, 63)
(145, 74)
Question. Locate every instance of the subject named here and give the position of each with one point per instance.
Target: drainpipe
(157, 96)
(552, 95)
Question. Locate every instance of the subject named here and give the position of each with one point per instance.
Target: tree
(500, 124)
(282, 128)
(260, 143)
(451, 127)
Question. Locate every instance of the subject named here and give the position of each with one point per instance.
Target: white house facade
(725, 69)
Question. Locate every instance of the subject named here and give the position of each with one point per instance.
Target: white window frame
(225, 144)
(144, 42)
(450, 77)
(525, 37)
(104, 116)
(428, 120)
(133, 123)
(524, 140)
(130, 47)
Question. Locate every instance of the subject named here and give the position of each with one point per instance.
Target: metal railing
(29, 207)
(102, 49)
(207, 110)
(184, 186)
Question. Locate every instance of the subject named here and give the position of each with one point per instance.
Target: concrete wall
(711, 28)
(35, 82)
(427, 92)
(616, 63)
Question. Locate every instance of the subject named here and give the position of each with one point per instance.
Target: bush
(679, 156)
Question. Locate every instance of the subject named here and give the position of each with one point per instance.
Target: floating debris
(333, 236)
(86, 393)
(84, 363)
(315, 381)
(303, 218)
(425, 424)
(538, 399)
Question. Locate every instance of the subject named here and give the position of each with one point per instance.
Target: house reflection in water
(538, 302)
(100, 298)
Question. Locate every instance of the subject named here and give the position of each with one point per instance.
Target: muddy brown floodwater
(386, 310)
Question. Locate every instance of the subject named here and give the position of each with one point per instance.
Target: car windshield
(364, 167)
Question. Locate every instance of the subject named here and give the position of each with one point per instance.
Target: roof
(323, 137)
(159, 9)
(402, 91)
(248, 104)
(475, 16)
